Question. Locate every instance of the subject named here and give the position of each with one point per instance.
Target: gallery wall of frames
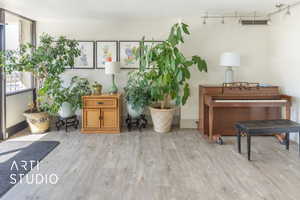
(94, 54)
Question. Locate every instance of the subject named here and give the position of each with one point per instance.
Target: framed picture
(86, 58)
(106, 51)
(129, 54)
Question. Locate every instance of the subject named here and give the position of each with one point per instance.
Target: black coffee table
(263, 127)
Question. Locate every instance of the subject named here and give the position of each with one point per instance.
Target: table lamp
(229, 60)
(112, 68)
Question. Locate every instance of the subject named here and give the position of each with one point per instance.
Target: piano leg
(210, 122)
(281, 138)
(218, 139)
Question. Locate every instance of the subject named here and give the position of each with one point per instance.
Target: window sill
(19, 92)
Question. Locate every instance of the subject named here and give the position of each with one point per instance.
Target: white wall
(208, 41)
(284, 56)
(15, 107)
(17, 104)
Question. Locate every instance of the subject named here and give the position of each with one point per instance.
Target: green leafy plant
(137, 91)
(46, 62)
(169, 69)
(72, 94)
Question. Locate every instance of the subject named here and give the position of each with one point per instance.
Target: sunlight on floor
(31, 137)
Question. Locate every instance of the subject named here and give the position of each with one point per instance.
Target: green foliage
(46, 61)
(137, 91)
(169, 68)
(78, 87)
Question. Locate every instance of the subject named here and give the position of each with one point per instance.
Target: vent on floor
(254, 22)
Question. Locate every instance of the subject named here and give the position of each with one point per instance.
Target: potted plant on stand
(168, 75)
(68, 100)
(46, 62)
(137, 93)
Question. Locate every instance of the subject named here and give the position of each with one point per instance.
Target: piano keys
(221, 107)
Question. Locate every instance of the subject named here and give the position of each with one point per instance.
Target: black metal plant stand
(67, 122)
(140, 122)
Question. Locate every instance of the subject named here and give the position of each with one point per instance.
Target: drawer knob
(99, 103)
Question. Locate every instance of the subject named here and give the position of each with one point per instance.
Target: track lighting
(269, 21)
(288, 12)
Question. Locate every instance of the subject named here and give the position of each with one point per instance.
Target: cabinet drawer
(100, 103)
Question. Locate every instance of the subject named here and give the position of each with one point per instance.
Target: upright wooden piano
(220, 107)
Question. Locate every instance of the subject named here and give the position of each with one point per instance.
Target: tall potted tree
(46, 62)
(168, 74)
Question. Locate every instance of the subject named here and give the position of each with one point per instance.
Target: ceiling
(137, 9)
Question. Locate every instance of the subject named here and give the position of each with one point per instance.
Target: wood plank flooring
(175, 166)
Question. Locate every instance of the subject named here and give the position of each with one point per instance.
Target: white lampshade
(230, 59)
(112, 67)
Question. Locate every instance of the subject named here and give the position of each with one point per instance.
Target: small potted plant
(168, 75)
(137, 93)
(97, 88)
(46, 62)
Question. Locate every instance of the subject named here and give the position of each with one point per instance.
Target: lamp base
(113, 90)
(229, 75)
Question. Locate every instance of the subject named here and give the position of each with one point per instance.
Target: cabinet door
(91, 118)
(108, 118)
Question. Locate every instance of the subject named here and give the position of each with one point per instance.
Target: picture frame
(128, 52)
(87, 58)
(106, 51)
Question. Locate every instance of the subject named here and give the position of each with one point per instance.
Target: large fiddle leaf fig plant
(46, 62)
(168, 70)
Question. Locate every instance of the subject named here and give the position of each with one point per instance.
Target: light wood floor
(180, 165)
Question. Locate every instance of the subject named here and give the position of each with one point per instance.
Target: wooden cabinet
(102, 114)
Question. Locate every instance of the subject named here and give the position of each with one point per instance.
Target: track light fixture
(240, 20)
(205, 17)
(288, 12)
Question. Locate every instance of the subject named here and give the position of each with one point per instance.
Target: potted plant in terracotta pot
(137, 93)
(46, 62)
(168, 72)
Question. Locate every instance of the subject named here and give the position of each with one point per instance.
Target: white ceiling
(123, 9)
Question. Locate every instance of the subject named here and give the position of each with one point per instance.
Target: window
(17, 31)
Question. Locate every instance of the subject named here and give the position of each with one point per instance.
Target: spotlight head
(288, 12)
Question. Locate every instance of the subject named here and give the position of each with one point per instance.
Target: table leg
(287, 137)
(239, 140)
(249, 146)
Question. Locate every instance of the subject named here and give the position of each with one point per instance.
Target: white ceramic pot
(162, 119)
(66, 110)
(134, 113)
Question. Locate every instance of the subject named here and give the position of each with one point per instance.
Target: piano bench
(263, 127)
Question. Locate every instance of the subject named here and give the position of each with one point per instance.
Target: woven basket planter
(38, 122)
(162, 119)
